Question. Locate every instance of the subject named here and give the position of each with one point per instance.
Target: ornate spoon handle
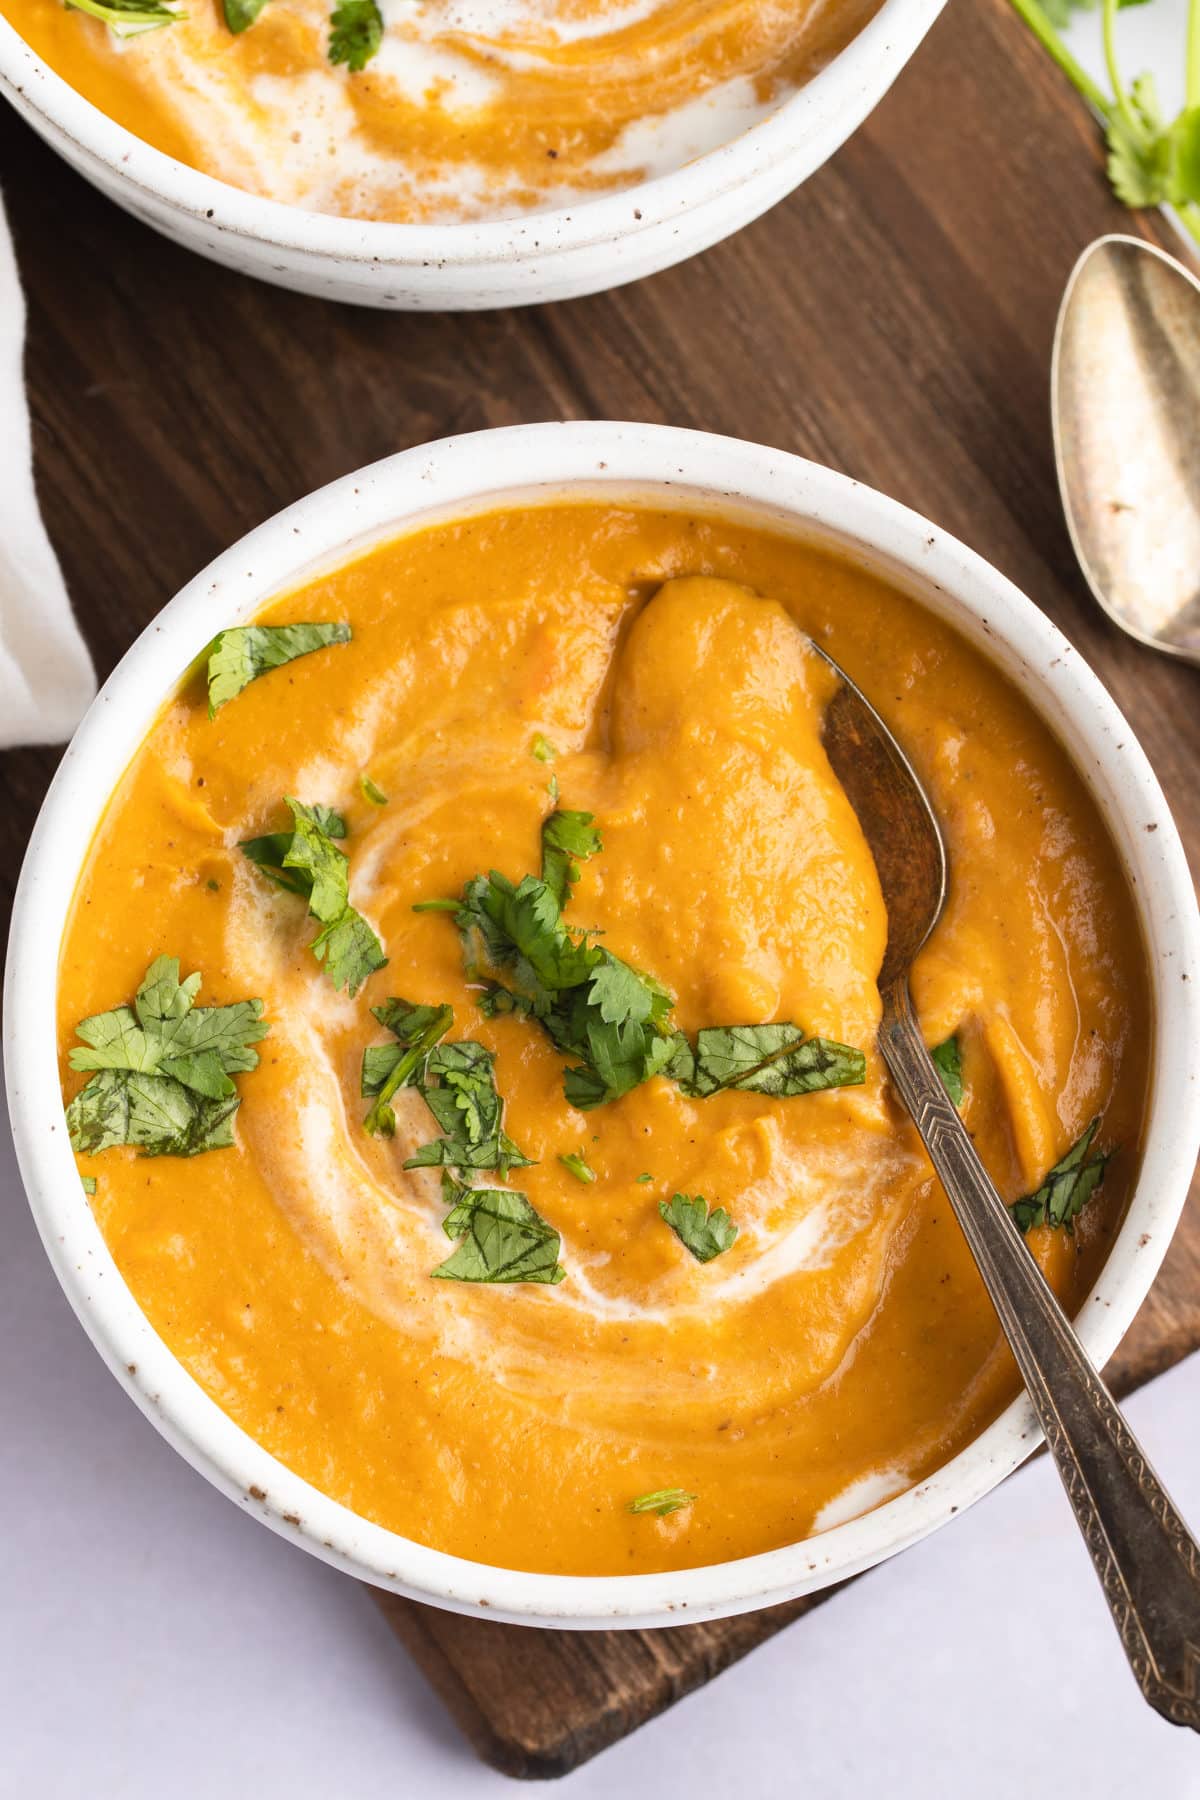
(1147, 1560)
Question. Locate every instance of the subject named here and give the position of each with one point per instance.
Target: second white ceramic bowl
(608, 461)
(509, 262)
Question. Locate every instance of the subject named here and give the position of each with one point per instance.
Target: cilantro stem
(1108, 20)
(1050, 41)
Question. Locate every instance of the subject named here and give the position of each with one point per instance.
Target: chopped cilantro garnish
(370, 792)
(947, 1060)
(307, 861)
(663, 1501)
(503, 1238)
(568, 838)
(459, 1088)
(89, 1184)
(163, 1069)
(542, 749)
(129, 18)
(355, 33)
(1067, 1188)
(387, 1068)
(456, 1081)
(577, 1163)
(706, 1234)
(765, 1059)
(240, 655)
(610, 1018)
(241, 14)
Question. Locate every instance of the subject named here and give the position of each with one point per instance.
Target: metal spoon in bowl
(1125, 399)
(1147, 1561)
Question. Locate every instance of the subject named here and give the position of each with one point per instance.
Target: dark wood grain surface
(893, 319)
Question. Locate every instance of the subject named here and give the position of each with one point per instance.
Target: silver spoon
(1125, 400)
(1148, 1563)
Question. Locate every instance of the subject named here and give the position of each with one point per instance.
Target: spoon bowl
(1125, 401)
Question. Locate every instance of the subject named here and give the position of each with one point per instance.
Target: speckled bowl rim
(863, 69)
(539, 462)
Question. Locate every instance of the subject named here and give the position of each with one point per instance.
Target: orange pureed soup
(650, 668)
(463, 109)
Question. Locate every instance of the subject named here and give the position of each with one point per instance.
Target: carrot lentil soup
(649, 1299)
(422, 110)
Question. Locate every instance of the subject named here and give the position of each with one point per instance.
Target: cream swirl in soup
(464, 109)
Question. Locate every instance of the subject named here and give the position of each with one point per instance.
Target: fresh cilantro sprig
(240, 655)
(307, 861)
(663, 1501)
(503, 1238)
(1067, 1188)
(355, 33)
(129, 18)
(1152, 161)
(705, 1233)
(163, 1069)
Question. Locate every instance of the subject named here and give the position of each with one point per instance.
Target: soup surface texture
(467, 109)
(653, 666)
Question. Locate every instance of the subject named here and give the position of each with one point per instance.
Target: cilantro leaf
(307, 861)
(663, 1501)
(767, 1059)
(568, 838)
(129, 18)
(469, 1110)
(706, 1234)
(1067, 1188)
(241, 14)
(163, 1068)
(370, 791)
(240, 655)
(89, 1184)
(947, 1060)
(503, 1239)
(387, 1068)
(542, 749)
(355, 33)
(576, 1162)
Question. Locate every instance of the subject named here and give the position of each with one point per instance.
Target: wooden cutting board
(893, 318)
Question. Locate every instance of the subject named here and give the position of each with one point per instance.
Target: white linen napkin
(46, 678)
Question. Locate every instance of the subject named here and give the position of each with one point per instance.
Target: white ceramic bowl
(544, 256)
(451, 478)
